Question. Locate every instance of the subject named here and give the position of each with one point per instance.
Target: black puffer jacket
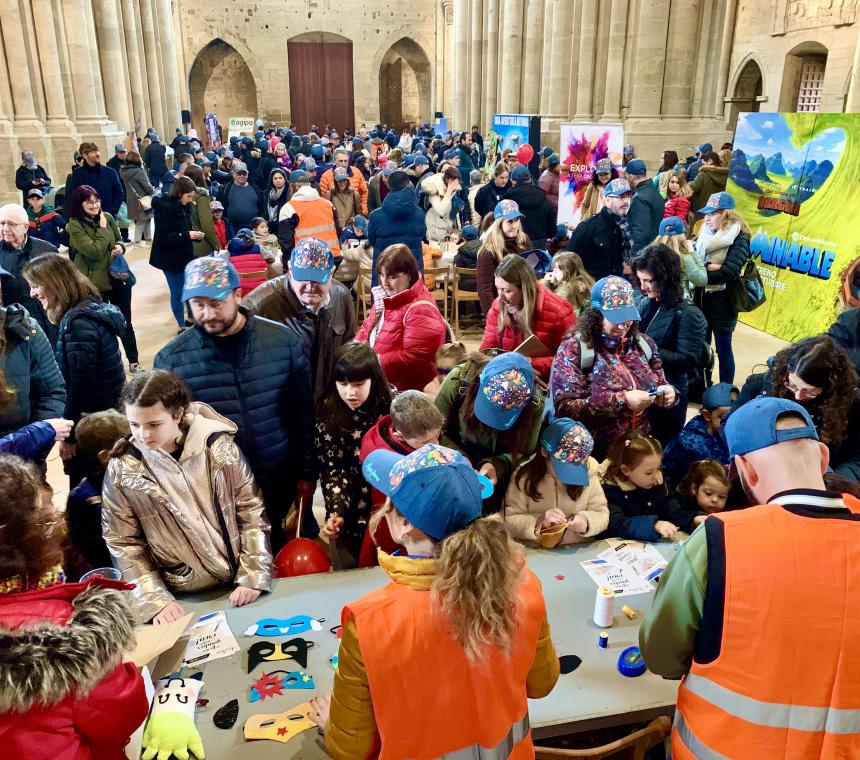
(30, 367)
(646, 212)
(88, 357)
(600, 243)
(846, 332)
(172, 247)
(539, 222)
(488, 196)
(717, 305)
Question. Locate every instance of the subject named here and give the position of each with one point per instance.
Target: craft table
(593, 695)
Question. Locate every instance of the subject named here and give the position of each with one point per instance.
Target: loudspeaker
(186, 116)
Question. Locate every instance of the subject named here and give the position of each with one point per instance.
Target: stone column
(726, 45)
(704, 57)
(585, 80)
(139, 104)
(10, 157)
(533, 55)
(615, 60)
(651, 29)
(560, 69)
(681, 54)
(172, 115)
(151, 53)
(110, 44)
(476, 54)
(546, 64)
(512, 57)
(448, 9)
(49, 60)
(18, 70)
(491, 70)
(86, 77)
(461, 65)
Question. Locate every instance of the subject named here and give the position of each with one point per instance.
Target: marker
(603, 640)
(629, 611)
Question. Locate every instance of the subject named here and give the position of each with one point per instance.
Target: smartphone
(658, 392)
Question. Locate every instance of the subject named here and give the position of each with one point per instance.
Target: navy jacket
(600, 243)
(632, 514)
(25, 180)
(645, 215)
(397, 220)
(266, 392)
(691, 445)
(31, 370)
(172, 247)
(88, 356)
(539, 216)
(154, 159)
(32, 441)
(488, 196)
(102, 178)
(846, 332)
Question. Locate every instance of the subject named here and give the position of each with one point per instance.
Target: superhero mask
(279, 727)
(271, 651)
(272, 684)
(285, 627)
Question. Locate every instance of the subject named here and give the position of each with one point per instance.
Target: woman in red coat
(64, 692)
(524, 308)
(405, 329)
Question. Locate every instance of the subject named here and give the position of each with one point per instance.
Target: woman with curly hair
(817, 374)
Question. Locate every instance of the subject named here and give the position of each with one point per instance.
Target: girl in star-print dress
(357, 396)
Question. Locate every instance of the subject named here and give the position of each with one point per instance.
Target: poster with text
(582, 146)
(793, 177)
(511, 130)
(239, 126)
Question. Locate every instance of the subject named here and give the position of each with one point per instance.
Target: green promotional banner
(794, 178)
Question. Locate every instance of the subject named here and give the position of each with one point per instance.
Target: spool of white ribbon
(604, 607)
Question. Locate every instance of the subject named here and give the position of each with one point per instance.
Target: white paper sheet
(620, 578)
(210, 638)
(642, 558)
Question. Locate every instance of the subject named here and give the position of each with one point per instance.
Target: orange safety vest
(316, 219)
(786, 680)
(429, 699)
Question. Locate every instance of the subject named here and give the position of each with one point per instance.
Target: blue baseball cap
(434, 487)
(568, 444)
(469, 232)
(504, 389)
(297, 175)
(553, 160)
(209, 277)
(705, 148)
(360, 222)
(719, 394)
(507, 209)
(317, 151)
(629, 150)
(753, 426)
(452, 153)
(718, 202)
(613, 298)
(421, 160)
(617, 187)
(521, 174)
(636, 167)
(311, 260)
(672, 225)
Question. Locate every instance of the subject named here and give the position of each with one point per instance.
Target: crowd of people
(567, 424)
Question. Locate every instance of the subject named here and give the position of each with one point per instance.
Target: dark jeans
(120, 296)
(344, 551)
(723, 345)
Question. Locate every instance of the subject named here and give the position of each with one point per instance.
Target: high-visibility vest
(785, 681)
(429, 699)
(316, 219)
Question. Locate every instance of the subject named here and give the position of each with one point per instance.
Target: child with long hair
(705, 487)
(557, 491)
(673, 234)
(677, 192)
(181, 510)
(640, 505)
(568, 279)
(357, 396)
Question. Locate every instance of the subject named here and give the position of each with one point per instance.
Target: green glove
(170, 729)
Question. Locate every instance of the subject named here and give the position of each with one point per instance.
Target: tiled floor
(154, 326)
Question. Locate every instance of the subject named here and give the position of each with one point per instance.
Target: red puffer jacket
(677, 206)
(405, 335)
(552, 318)
(83, 705)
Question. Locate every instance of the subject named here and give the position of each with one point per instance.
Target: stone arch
(747, 88)
(806, 52)
(404, 84)
(221, 81)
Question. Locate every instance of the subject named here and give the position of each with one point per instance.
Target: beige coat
(160, 517)
(522, 513)
(438, 217)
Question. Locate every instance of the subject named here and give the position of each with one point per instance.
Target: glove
(170, 729)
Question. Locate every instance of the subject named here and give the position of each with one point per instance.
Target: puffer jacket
(398, 220)
(176, 526)
(88, 357)
(709, 180)
(352, 730)
(437, 221)
(488, 196)
(92, 245)
(549, 182)
(693, 444)
(646, 212)
(405, 332)
(258, 393)
(65, 694)
(247, 258)
(31, 369)
(32, 441)
(677, 206)
(322, 333)
(172, 247)
(539, 221)
(552, 318)
(595, 396)
(522, 514)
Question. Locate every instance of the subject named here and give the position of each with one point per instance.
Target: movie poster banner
(794, 178)
(512, 130)
(582, 145)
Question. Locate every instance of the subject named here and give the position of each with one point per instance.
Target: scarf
(712, 247)
(16, 582)
(627, 237)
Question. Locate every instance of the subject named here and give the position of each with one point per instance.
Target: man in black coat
(646, 208)
(539, 216)
(155, 161)
(490, 194)
(846, 332)
(603, 241)
(30, 175)
(104, 179)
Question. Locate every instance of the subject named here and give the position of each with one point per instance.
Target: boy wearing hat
(45, 223)
(222, 229)
(702, 437)
(356, 252)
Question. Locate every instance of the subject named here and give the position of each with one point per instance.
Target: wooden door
(321, 84)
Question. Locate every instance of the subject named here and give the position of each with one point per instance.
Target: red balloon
(301, 556)
(525, 153)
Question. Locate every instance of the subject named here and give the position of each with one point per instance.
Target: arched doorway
(748, 90)
(803, 77)
(404, 85)
(220, 81)
(321, 84)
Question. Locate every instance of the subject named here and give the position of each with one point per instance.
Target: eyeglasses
(4, 223)
(806, 392)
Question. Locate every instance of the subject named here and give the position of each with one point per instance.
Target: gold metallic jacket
(164, 520)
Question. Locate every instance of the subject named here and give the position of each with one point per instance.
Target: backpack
(586, 352)
(747, 292)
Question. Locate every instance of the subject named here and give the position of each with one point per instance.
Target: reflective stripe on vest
(691, 742)
(314, 231)
(502, 751)
(316, 220)
(831, 720)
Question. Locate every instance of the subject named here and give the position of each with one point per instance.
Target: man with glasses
(17, 247)
(356, 179)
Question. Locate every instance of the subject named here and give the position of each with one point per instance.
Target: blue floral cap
(505, 388)
(569, 444)
(617, 187)
(718, 202)
(507, 209)
(311, 259)
(613, 298)
(209, 277)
